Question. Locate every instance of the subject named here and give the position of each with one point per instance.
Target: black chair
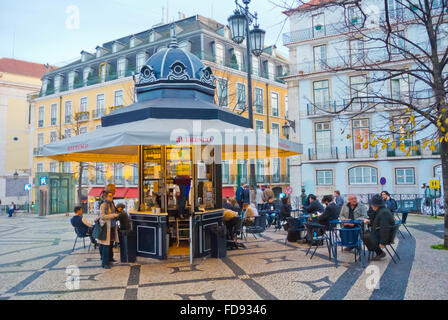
(234, 228)
(295, 224)
(80, 234)
(391, 241)
(404, 217)
(317, 235)
(258, 227)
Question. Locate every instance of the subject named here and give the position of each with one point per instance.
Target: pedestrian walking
(338, 199)
(11, 210)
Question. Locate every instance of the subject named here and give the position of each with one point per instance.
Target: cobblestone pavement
(36, 251)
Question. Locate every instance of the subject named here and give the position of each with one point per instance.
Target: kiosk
(178, 137)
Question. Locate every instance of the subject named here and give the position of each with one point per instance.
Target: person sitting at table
(353, 210)
(382, 226)
(285, 209)
(269, 209)
(235, 206)
(226, 204)
(314, 206)
(81, 223)
(249, 214)
(330, 213)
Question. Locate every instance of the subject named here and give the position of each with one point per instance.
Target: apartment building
(321, 44)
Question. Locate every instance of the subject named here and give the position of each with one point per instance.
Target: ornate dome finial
(173, 43)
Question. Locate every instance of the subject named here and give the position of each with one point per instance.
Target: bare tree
(404, 73)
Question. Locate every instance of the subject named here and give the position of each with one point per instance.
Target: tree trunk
(444, 160)
(81, 171)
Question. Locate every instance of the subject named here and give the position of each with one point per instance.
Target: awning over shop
(228, 192)
(120, 192)
(120, 143)
(95, 192)
(132, 193)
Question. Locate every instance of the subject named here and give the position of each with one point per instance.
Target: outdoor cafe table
(332, 229)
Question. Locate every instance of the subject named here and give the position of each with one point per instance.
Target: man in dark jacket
(239, 194)
(314, 207)
(382, 226)
(246, 194)
(330, 213)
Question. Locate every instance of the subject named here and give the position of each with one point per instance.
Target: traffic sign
(27, 187)
(383, 181)
(434, 184)
(288, 190)
(43, 181)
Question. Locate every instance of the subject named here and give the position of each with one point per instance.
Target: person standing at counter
(108, 218)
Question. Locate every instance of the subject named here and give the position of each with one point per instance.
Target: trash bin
(128, 246)
(218, 241)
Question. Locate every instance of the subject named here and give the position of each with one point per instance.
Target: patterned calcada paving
(37, 262)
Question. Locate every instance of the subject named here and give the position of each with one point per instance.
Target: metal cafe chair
(298, 224)
(404, 217)
(317, 235)
(349, 238)
(389, 243)
(258, 227)
(83, 236)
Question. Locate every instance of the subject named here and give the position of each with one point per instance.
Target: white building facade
(319, 44)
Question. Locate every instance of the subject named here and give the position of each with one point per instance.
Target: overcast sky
(47, 31)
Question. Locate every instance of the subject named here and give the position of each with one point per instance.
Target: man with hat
(382, 226)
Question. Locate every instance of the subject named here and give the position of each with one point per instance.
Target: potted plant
(318, 27)
(355, 20)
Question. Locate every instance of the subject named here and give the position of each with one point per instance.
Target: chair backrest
(80, 233)
(349, 237)
(261, 222)
(393, 234)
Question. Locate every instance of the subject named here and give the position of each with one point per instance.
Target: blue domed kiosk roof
(174, 84)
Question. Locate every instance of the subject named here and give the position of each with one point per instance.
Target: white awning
(120, 143)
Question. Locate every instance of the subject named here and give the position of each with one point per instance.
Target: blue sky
(39, 31)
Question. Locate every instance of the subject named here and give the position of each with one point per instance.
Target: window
(275, 170)
(324, 177)
(259, 105)
(57, 83)
(53, 136)
(318, 25)
(271, 71)
(399, 87)
(356, 51)
(71, 80)
(67, 133)
(363, 175)
(275, 129)
(103, 72)
(40, 167)
(354, 15)
(241, 96)
(358, 91)
(41, 116)
(274, 104)
(141, 59)
(259, 125)
(121, 67)
(225, 172)
(85, 76)
(66, 167)
(83, 130)
(118, 173)
(135, 174)
(54, 114)
(321, 94)
(397, 43)
(286, 108)
(239, 59)
(320, 57)
(395, 9)
(361, 131)
(288, 168)
(323, 140)
(68, 111)
(404, 176)
(255, 66)
(40, 140)
(118, 98)
(242, 170)
(100, 105)
(219, 53)
(53, 166)
(222, 92)
(99, 173)
(152, 36)
(260, 170)
(83, 104)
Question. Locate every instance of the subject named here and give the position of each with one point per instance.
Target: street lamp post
(239, 24)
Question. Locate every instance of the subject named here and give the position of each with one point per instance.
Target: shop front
(178, 137)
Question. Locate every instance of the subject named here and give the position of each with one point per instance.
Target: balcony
(320, 31)
(96, 114)
(355, 104)
(362, 153)
(38, 151)
(113, 108)
(330, 154)
(82, 116)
